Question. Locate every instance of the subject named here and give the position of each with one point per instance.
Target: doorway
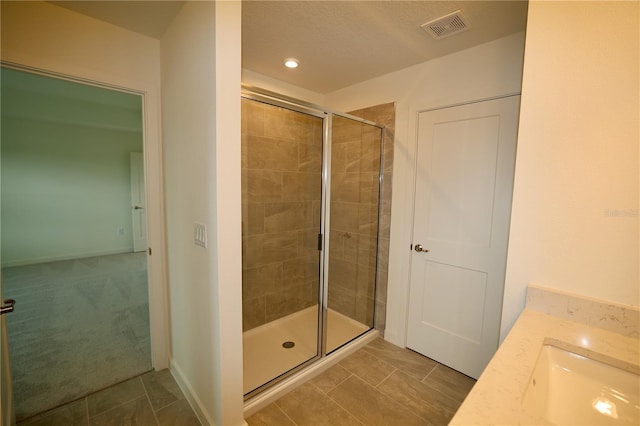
(82, 315)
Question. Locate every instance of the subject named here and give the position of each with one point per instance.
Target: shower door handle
(7, 306)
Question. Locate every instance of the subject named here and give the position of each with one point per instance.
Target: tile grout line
(341, 382)
(387, 376)
(118, 406)
(447, 396)
(146, 393)
(388, 397)
(402, 403)
(336, 402)
(166, 405)
(175, 402)
(402, 350)
(347, 410)
(372, 353)
(123, 403)
(395, 401)
(284, 412)
(86, 410)
(429, 373)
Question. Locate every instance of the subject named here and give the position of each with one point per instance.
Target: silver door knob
(419, 248)
(7, 306)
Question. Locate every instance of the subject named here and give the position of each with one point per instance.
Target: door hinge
(320, 242)
(7, 306)
(149, 251)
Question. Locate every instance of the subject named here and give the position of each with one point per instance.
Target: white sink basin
(567, 388)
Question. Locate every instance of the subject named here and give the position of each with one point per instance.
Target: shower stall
(311, 182)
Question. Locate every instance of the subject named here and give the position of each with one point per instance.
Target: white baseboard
(70, 256)
(193, 400)
(270, 395)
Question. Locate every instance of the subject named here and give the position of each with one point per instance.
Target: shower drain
(288, 345)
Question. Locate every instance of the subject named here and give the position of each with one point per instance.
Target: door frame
(139, 243)
(7, 411)
(403, 207)
(154, 199)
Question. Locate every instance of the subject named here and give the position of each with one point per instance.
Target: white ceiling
(338, 43)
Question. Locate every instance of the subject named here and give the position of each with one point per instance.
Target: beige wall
(281, 198)
(575, 206)
(201, 130)
(56, 39)
(225, 203)
(188, 135)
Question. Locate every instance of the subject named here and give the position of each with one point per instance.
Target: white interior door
(138, 202)
(464, 181)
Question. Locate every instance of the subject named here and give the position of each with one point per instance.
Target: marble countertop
(496, 397)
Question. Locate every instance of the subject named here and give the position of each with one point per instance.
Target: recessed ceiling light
(291, 63)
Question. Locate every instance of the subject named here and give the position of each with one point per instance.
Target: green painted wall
(65, 168)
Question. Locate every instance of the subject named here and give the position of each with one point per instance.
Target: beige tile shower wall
(355, 176)
(383, 114)
(281, 193)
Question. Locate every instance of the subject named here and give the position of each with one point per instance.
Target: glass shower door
(281, 211)
(353, 229)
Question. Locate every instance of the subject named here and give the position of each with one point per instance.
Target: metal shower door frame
(326, 114)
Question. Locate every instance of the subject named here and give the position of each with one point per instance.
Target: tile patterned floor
(153, 399)
(380, 384)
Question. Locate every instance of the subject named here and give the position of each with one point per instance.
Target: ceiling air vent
(446, 26)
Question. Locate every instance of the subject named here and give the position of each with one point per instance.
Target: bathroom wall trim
(66, 77)
(191, 397)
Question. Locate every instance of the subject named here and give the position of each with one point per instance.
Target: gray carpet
(79, 326)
